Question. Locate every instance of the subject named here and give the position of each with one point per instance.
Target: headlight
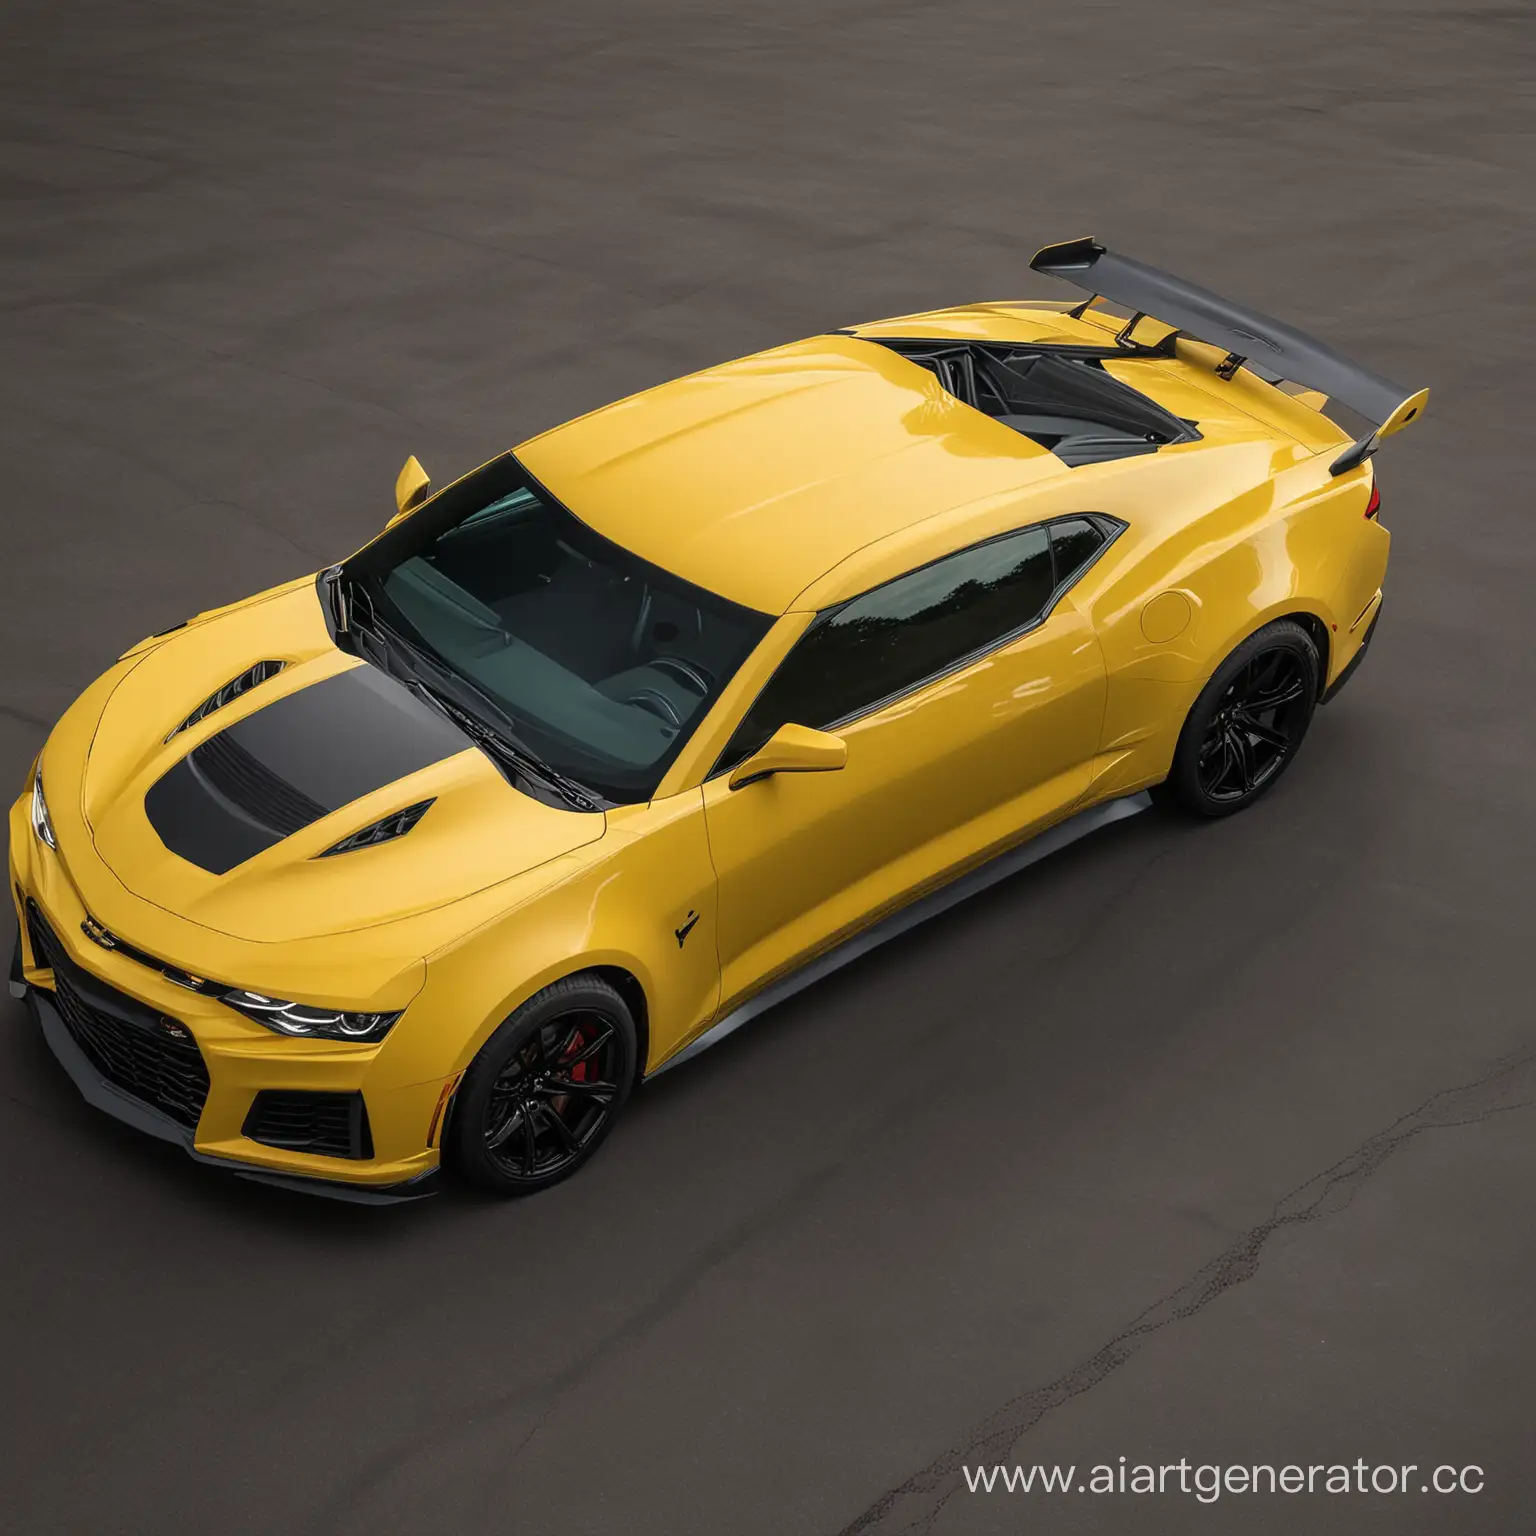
(42, 823)
(301, 1019)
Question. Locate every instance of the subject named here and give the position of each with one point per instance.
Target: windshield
(602, 663)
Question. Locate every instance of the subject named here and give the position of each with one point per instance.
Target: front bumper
(200, 1088)
(105, 1095)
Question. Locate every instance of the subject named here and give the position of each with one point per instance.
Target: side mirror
(410, 488)
(791, 749)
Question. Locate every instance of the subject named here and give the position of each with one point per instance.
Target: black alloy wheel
(545, 1089)
(1248, 722)
(552, 1096)
(1253, 730)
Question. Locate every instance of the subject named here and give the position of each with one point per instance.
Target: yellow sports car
(429, 859)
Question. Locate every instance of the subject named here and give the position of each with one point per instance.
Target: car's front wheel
(544, 1090)
(1247, 724)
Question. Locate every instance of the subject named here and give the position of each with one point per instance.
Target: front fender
(641, 901)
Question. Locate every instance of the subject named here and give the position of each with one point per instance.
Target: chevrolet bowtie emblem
(97, 934)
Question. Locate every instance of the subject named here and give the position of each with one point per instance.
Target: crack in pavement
(912, 1506)
(25, 716)
(443, 1425)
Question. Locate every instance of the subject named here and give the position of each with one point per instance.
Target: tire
(545, 1089)
(1247, 725)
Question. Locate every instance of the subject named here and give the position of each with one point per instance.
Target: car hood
(228, 822)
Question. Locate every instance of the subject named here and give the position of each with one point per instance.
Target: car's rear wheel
(1248, 723)
(545, 1089)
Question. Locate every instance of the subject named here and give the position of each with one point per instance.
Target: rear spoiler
(1275, 349)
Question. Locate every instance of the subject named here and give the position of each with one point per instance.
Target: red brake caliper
(578, 1073)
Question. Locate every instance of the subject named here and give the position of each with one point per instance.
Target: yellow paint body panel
(754, 478)
(787, 482)
(957, 770)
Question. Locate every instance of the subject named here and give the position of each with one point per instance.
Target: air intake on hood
(230, 692)
(276, 770)
(396, 824)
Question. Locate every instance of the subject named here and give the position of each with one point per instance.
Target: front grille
(131, 1045)
(245, 781)
(335, 1124)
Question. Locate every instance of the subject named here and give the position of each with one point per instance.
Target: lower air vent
(250, 678)
(331, 1124)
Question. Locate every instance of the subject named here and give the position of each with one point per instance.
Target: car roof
(757, 478)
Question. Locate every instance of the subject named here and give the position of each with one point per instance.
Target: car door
(970, 694)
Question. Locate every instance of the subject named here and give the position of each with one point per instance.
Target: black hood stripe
(305, 755)
(246, 782)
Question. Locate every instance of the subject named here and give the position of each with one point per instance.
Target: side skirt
(907, 918)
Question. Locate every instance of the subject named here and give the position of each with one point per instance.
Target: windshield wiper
(505, 751)
(406, 662)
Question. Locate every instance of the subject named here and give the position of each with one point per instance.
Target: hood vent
(231, 691)
(308, 753)
(396, 824)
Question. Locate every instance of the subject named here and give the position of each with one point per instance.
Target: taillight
(1373, 506)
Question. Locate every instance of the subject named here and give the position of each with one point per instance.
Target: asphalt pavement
(1210, 1143)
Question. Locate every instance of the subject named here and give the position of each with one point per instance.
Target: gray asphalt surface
(1201, 1142)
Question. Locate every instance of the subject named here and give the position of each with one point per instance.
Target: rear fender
(1163, 645)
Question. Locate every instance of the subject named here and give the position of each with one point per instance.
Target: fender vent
(250, 678)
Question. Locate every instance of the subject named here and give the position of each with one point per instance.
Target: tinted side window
(891, 639)
(1074, 542)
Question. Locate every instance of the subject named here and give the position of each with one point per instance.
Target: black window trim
(1110, 527)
